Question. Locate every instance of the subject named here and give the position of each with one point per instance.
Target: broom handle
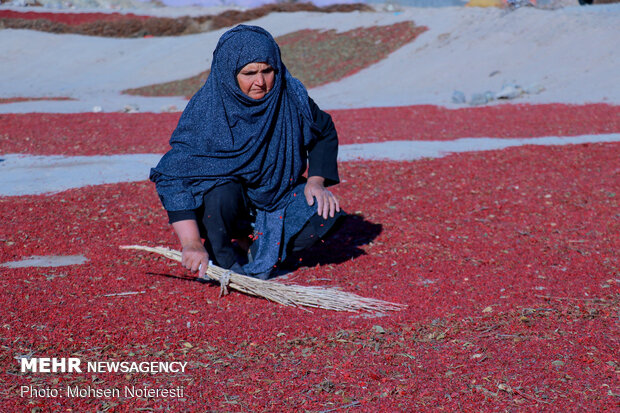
(291, 295)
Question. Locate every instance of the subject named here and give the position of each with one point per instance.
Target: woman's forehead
(256, 66)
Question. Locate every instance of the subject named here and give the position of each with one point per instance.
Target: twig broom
(328, 298)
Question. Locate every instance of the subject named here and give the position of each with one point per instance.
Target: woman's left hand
(327, 203)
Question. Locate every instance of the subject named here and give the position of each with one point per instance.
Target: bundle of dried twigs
(328, 298)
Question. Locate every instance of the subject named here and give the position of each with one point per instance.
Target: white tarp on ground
(572, 53)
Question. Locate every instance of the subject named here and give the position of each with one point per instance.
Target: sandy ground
(464, 47)
(473, 50)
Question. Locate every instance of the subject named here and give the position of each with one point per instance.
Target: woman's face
(256, 79)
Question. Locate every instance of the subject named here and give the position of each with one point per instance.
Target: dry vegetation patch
(118, 25)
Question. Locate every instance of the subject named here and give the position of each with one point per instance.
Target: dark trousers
(225, 215)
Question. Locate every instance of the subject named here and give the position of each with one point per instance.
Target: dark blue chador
(224, 135)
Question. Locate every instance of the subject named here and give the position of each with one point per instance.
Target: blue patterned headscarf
(224, 135)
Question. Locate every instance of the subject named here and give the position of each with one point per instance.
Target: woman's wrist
(316, 180)
(188, 232)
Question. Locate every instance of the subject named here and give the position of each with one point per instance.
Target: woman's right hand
(195, 258)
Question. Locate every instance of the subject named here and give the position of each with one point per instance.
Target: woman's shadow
(343, 244)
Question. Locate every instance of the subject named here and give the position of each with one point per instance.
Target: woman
(237, 159)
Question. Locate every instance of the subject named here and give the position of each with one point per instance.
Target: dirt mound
(29, 99)
(139, 26)
(232, 17)
(129, 27)
(72, 19)
(183, 87)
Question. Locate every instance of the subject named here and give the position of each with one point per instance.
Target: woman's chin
(257, 95)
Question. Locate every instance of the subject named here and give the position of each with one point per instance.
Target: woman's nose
(260, 80)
